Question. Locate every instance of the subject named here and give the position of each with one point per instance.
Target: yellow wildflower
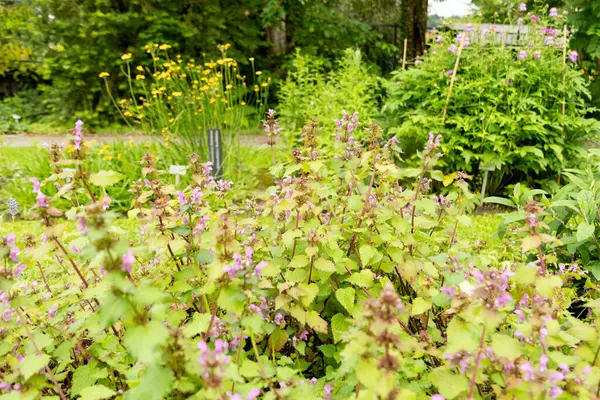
(127, 113)
(256, 88)
(251, 59)
(139, 68)
(104, 74)
(164, 47)
(243, 103)
(229, 86)
(177, 94)
(140, 77)
(108, 158)
(258, 72)
(139, 116)
(126, 56)
(212, 100)
(264, 84)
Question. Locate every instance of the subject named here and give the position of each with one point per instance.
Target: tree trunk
(414, 19)
(276, 35)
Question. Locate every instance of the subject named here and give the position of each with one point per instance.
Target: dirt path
(40, 140)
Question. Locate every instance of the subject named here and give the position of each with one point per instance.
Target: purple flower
(10, 239)
(259, 267)
(450, 292)
(535, 19)
(36, 184)
(527, 371)
(181, 197)
(586, 370)
(303, 335)
(127, 261)
(437, 397)
(469, 27)
(18, 269)
(522, 7)
(327, 389)
(543, 362)
(449, 72)
(537, 54)
(279, 319)
(253, 394)
(522, 55)
(82, 226)
(573, 56)
(553, 12)
(52, 311)
(521, 315)
(438, 39)
(452, 48)
(549, 40)
(42, 200)
(74, 249)
(556, 377)
(105, 202)
(14, 253)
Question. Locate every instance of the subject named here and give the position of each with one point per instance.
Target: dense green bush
(505, 108)
(310, 92)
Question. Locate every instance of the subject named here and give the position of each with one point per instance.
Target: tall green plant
(506, 105)
(309, 91)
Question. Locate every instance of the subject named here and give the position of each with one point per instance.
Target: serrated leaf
(367, 253)
(97, 392)
(346, 298)
(420, 305)
(155, 385)
(449, 385)
(506, 346)
(143, 341)
(204, 257)
(32, 364)
(105, 178)
(324, 265)
(314, 320)
(339, 326)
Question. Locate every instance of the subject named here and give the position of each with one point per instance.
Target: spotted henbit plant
(337, 282)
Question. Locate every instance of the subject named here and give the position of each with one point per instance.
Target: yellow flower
(86, 144)
(256, 88)
(126, 56)
(258, 72)
(212, 100)
(104, 74)
(264, 84)
(177, 94)
(108, 158)
(229, 86)
(119, 156)
(251, 59)
(164, 47)
(140, 77)
(243, 103)
(127, 113)
(139, 68)
(139, 116)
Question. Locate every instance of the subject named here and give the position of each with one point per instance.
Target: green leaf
(420, 305)
(155, 385)
(499, 200)
(366, 253)
(82, 378)
(289, 236)
(105, 178)
(204, 257)
(449, 385)
(249, 369)
(314, 320)
(584, 231)
(346, 298)
(143, 341)
(96, 392)
(339, 326)
(32, 364)
(324, 265)
(506, 346)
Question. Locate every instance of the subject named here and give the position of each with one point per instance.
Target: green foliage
(335, 273)
(505, 107)
(309, 92)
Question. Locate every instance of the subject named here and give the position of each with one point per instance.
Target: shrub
(505, 108)
(334, 283)
(309, 92)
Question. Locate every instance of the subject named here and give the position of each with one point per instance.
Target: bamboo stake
(503, 37)
(460, 47)
(404, 54)
(564, 80)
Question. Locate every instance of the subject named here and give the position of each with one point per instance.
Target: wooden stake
(404, 54)
(564, 80)
(460, 48)
(503, 36)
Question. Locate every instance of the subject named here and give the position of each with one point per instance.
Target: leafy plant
(335, 282)
(309, 92)
(505, 108)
